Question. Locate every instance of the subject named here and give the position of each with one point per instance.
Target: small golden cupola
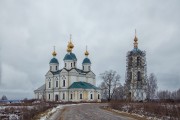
(70, 43)
(135, 40)
(54, 52)
(86, 53)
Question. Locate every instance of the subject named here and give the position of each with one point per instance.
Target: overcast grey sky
(30, 29)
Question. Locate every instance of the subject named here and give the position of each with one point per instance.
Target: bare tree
(111, 81)
(151, 86)
(119, 93)
(4, 97)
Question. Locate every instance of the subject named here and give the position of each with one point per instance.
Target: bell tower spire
(135, 40)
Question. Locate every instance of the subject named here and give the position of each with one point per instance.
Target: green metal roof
(54, 60)
(73, 56)
(68, 57)
(83, 85)
(86, 61)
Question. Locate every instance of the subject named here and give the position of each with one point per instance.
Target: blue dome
(86, 60)
(73, 56)
(54, 60)
(136, 50)
(68, 57)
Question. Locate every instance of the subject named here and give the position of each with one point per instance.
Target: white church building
(69, 83)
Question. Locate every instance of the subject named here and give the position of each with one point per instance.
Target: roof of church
(54, 60)
(41, 89)
(73, 56)
(68, 57)
(57, 72)
(86, 60)
(136, 51)
(83, 85)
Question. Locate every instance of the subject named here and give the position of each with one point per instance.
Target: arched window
(49, 84)
(139, 76)
(91, 96)
(63, 96)
(138, 61)
(64, 83)
(71, 96)
(81, 96)
(56, 83)
(49, 96)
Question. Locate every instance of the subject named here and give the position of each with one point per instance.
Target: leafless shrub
(159, 109)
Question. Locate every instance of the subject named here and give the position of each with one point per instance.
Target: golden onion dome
(70, 45)
(135, 39)
(69, 49)
(86, 53)
(54, 53)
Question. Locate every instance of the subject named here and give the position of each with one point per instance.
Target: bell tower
(136, 73)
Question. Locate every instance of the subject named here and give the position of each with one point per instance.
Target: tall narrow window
(56, 83)
(74, 64)
(65, 64)
(91, 96)
(50, 67)
(130, 75)
(89, 68)
(98, 96)
(80, 96)
(64, 83)
(138, 61)
(71, 64)
(139, 76)
(49, 96)
(63, 96)
(83, 67)
(49, 84)
(130, 61)
(56, 67)
(71, 95)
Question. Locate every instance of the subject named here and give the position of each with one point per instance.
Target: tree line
(113, 89)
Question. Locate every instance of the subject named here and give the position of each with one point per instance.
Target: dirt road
(89, 112)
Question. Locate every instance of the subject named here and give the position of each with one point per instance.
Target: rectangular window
(98, 96)
(71, 96)
(64, 83)
(63, 96)
(56, 67)
(91, 96)
(89, 68)
(83, 67)
(49, 84)
(71, 64)
(56, 83)
(74, 64)
(80, 96)
(49, 96)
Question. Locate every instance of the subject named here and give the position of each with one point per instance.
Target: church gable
(49, 74)
(64, 71)
(90, 74)
(73, 72)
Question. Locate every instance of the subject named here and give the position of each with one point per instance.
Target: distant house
(69, 83)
